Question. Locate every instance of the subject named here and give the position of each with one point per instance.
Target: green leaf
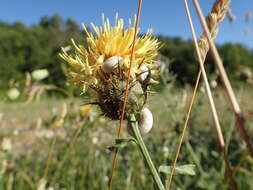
(121, 143)
(187, 169)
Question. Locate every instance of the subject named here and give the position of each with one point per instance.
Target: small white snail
(144, 73)
(145, 123)
(110, 64)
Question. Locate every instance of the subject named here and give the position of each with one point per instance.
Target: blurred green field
(80, 158)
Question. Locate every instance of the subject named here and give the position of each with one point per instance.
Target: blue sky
(166, 17)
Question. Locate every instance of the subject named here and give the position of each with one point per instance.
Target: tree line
(26, 48)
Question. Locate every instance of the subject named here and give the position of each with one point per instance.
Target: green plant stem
(145, 153)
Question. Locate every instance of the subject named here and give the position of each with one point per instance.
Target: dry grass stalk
(36, 91)
(79, 127)
(115, 158)
(28, 80)
(236, 108)
(64, 111)
(216, 16)
(62, 115)
(169, 181)
(214, 112)
(38, 123)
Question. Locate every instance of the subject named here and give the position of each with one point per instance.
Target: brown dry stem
(216, 16)
(215, 115)
(115, 158)
(218, 62)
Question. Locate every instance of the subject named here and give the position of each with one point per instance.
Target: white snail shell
(144, 73)
(110, 64)
(145, 123)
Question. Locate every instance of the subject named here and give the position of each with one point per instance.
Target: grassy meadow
(41, 151)
(60, 84)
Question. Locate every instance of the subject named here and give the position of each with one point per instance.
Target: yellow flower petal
(108, 41)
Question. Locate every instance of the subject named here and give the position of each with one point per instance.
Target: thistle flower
(104, 64)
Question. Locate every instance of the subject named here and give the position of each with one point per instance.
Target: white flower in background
(94, 140)
(49, 134)
(213, 84)
(40, 74)
(42, 184)
(13, 93)
(202, 89)
(165, 151)
(54, 110)
(45, 133)
(16, 132)
(106, 178)
(6, 144)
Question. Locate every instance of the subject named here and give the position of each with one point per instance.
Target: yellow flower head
(110, 44)
(104, 64)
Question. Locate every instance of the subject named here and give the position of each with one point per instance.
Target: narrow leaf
(187, 169)
(121, 143)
